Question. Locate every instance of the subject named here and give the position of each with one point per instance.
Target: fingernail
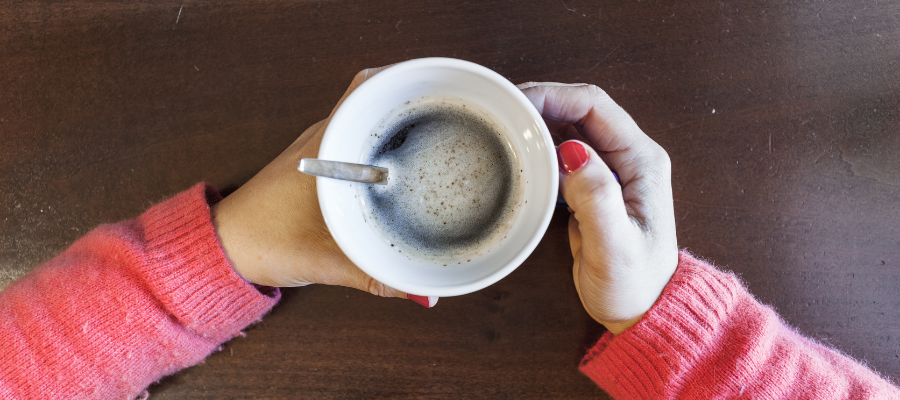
(425, 301)
(572, 156)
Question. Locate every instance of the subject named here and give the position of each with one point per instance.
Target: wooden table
(781, 120)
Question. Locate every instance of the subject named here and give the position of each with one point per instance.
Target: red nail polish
(425, 301)
(571, 156)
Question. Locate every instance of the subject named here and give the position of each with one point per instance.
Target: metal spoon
(343, 171)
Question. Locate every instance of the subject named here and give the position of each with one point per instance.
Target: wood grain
(781, 120)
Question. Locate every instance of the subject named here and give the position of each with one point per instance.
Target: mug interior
(345, 140)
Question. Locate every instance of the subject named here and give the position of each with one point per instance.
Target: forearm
(707, 337)
(124, 306)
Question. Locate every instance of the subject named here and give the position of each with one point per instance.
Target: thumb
(360, 280)
(358, 80)
(592, 192)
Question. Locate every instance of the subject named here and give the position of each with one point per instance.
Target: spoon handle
(343, 171)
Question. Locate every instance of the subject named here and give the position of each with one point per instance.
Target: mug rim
(521, 101)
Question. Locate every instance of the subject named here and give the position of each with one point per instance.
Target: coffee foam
(454, 187)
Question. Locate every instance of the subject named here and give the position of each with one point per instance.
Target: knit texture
(132, 302)
(124, 306)
(708, 338)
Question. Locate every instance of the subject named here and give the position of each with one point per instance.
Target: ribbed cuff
(186, 268)
(638, 363)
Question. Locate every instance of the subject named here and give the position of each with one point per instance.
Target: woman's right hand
(622, 235)
(273, 231)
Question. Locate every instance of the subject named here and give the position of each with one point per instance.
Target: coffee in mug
(454, 187)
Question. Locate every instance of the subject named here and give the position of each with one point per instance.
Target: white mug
(359, 114)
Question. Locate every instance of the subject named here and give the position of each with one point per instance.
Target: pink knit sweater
(132, 302)
(708, 338)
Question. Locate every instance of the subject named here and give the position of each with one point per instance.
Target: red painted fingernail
(571, 156)
(425, 301)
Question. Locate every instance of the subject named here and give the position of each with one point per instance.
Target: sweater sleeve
(124, 306)
(708, 338)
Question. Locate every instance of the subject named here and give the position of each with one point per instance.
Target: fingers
(364, 75)
(526, 85)
(310, 133)
(370, 72)
(360, 77)
(305, 137)
(574, 236)
(622, 236)
(425, 301)
(605, 125)
(594, 195)
(642, 165)
(359, 280)
(562, 132)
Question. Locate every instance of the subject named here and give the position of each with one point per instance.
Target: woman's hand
(622, 235)
(272, 229)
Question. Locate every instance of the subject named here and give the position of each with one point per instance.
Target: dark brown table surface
(781, 121)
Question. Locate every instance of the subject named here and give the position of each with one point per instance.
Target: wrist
(223, 225)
